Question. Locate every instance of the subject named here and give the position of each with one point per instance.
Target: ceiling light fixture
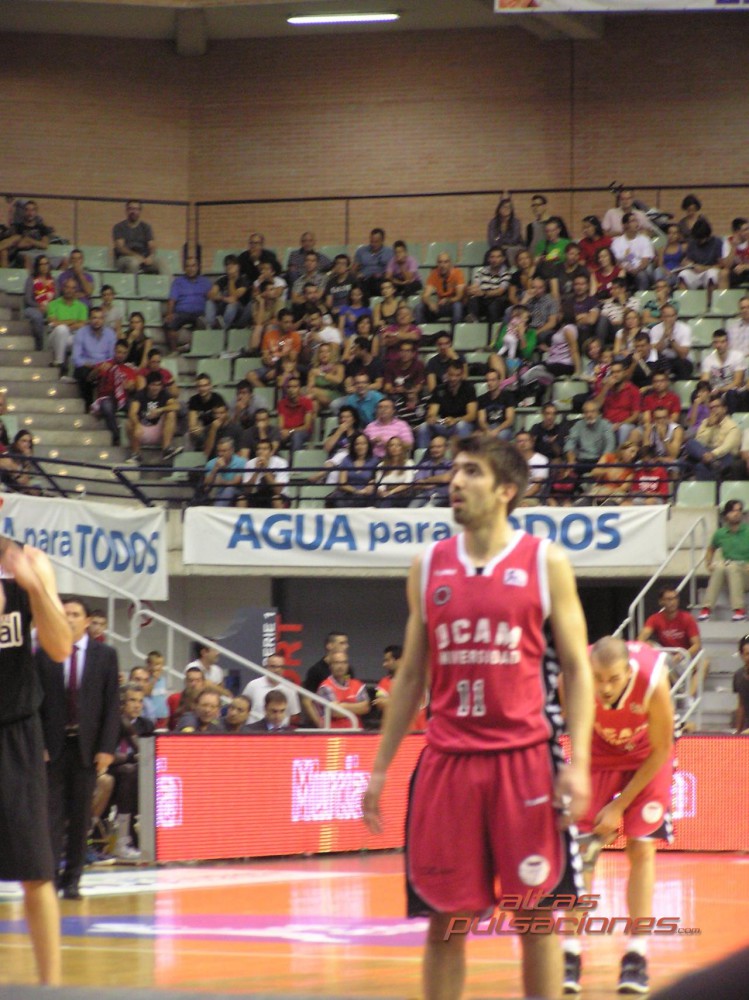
(342, 18)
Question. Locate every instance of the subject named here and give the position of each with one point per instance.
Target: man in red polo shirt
(619, 401)
(673, 627)
(659, 395)
(295, 414)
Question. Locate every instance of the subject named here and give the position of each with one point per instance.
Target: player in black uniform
(28, 594)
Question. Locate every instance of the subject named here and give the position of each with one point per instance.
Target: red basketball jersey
(487, 646)
(620, 733)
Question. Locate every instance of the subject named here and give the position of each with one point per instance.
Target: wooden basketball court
(334, 927)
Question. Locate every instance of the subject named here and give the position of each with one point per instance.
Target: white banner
(368, 538)
(118, 545)
(615, 6)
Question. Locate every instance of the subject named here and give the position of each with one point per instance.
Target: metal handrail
(139, 612)
(635, 616)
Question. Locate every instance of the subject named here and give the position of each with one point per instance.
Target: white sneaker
(124, 852)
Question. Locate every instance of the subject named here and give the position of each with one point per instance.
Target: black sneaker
(572, 969)
(634, 975)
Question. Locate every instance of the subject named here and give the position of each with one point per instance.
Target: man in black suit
(275, 712)
(81, 722)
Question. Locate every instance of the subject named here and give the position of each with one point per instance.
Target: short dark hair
(398, 244)
(72, 599)
(153, 377)
(231, 258)
(123, 343)
(244, 384)
(376, 230)
(666, 589)
(282, 313)
(691, 201)
(504, 459)
(276, 697)
(203, 376)
(95, 309)
(395, 651)
(153, 352)
(342, 256)
(106, 288)
(627, 216)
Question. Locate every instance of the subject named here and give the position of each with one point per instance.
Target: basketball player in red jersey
(632, 770)
(489, 798)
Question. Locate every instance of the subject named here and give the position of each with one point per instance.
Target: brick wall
(658, 100)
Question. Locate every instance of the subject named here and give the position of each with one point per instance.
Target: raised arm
(33, 572)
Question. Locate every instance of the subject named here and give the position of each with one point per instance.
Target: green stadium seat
(470, 336)
(13, 280)
(154, 286)
(734, 490)
(473, 252)
(151, 311)
(206, 344)
(696, 494)
(691, 302)
(172, 366)
(309, 458)
(726, 303)
(741, 420)
(173, 260)
(96, 258)
(433, 250)
(244, 365)
(684, 389)
(332, 250)
(217, 369)
(123, 284)
(564, 389)
(236, 340)
(704, 327)
(265, 396)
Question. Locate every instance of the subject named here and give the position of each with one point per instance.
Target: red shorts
(649, 815)
(477, 818)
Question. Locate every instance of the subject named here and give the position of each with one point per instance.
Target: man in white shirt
(538, 466)
(634, 252)
(264, 479)
(256, 691)
(671, 341)
(613, 219)
(722, 367)
(738, 328)
(207, 663)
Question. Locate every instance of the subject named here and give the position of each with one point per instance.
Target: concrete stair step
(20, 342)
(16, 327)
(22, 372)
(15, 354)
(97, 454)
(71, 438)
(48, 420)
(24, 405)
(21, 387)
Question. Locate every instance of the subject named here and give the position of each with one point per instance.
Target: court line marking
(297, 953)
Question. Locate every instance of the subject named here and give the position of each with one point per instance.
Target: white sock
(639, 945)
(572, 946)
(123, 829)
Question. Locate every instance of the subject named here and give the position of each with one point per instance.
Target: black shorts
(25, 848)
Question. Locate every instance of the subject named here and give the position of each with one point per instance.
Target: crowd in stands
(350, 340)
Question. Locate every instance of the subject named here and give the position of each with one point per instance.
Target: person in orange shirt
(391, 659)
(342, 689)
(444, 293)
(279, 340)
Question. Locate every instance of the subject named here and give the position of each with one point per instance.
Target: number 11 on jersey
(471, 696)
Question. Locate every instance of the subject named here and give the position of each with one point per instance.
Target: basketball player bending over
(489, 798)
(632, 769)
(28, 593)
